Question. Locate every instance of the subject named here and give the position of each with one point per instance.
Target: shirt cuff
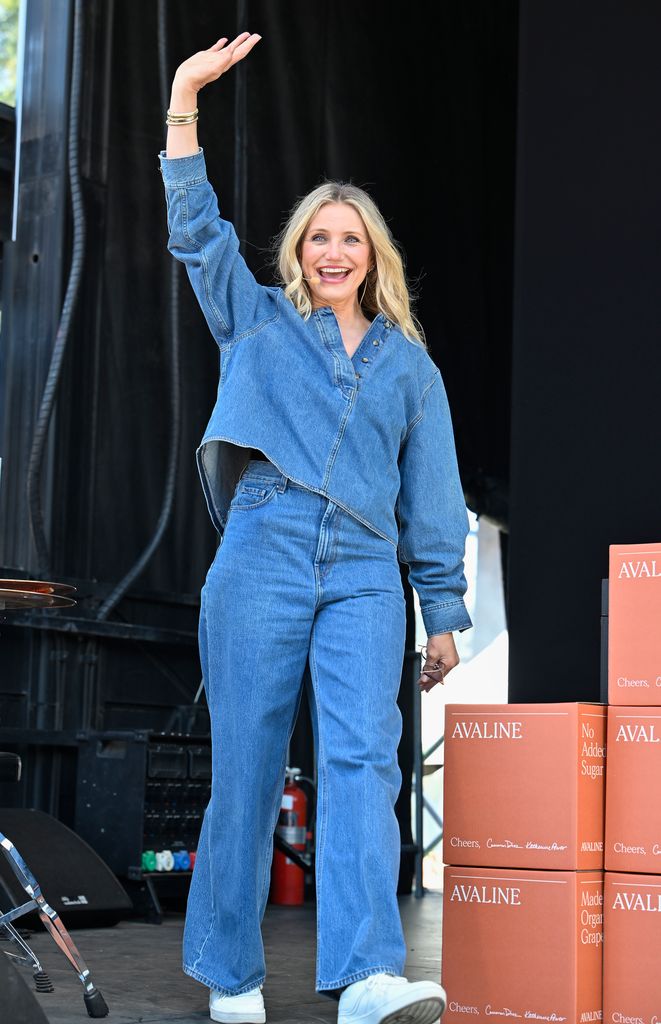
(183, 170)
(445, 618)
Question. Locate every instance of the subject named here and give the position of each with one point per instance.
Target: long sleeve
(231, 299)
(432, 514)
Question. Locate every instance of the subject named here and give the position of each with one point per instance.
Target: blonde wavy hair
(386, 290)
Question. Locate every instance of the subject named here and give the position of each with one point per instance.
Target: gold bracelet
(181, 118)
(177, 113)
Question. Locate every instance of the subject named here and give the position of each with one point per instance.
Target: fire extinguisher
(287, 878)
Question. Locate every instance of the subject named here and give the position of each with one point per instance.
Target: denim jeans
(297, 578)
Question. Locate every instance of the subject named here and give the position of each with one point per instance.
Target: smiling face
(336, 250)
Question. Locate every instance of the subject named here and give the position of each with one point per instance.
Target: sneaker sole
(236, 1017)
(403, 1009)
(422, 1011)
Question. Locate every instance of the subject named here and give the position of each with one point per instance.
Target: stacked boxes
(524, 841)
(632, 950)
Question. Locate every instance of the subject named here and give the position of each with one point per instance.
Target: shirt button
(387, 324)
(376, 341)
(357, 375)
(364, 359)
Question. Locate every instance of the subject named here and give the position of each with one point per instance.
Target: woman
(329, 456)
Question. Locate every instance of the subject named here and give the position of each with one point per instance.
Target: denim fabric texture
(373, 432)
(297, 583)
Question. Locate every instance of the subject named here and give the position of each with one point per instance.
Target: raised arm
(230, 297)
(191, 76)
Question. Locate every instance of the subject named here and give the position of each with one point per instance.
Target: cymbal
(11, 598)
(37, 586)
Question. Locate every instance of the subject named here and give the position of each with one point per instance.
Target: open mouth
(334, 274)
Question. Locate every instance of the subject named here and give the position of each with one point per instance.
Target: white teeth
(334, 270)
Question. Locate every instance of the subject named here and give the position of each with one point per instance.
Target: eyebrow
(347, 231)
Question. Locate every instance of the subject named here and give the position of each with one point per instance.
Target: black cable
(175, 375)
(35, 465)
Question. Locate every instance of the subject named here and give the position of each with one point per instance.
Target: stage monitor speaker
(73, 878)
(19, 1001)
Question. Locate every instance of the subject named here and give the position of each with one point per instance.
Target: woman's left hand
(440, 658)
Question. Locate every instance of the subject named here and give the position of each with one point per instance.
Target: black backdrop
(424, 119)
(587, 360)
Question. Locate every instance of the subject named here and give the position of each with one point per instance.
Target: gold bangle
(181, 121)
(176, 113)
(189, 118)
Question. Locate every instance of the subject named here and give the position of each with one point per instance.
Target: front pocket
(252, 494)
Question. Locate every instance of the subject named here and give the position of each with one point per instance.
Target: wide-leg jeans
(296, 579)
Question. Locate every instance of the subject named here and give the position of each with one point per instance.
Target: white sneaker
(389, 999)
(246, 1008)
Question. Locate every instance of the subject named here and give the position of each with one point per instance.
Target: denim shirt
(372, 431)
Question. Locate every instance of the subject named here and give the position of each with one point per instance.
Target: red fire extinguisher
(287, 878)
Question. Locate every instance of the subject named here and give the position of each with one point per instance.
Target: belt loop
(282, 483)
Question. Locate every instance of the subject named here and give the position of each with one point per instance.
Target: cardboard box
(523, 944)
(634, 616)
(633, 790)
(632, 943)
(524, 785)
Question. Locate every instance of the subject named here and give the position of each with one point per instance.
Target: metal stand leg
(41, 980)
(418, 760)
(94, 1001)
(155, 911)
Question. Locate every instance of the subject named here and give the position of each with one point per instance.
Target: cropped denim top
(372, 431)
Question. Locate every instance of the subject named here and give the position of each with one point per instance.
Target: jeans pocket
(250, 493)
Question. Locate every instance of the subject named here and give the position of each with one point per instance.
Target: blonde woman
(329, 457)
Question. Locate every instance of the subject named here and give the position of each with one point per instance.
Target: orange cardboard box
(634, 615)
(633, 791)
(632, 943)
(523, 944)
(524, 785)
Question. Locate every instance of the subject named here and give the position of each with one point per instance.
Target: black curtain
(424, 120)
(585, 432)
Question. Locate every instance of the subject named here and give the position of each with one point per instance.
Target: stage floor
(137, 968)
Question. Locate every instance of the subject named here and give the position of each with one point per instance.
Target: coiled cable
(35, 464)
(175, 376)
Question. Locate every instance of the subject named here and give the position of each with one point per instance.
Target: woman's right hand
(208, 65)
